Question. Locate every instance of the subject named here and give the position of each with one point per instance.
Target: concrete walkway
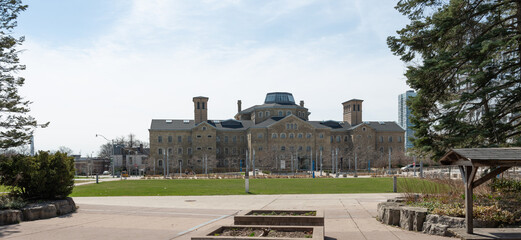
(348, 216)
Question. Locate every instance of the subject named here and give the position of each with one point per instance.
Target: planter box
(270, 217)
(310, 232)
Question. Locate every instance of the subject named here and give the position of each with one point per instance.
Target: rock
(406, 218)
(382, 206)
(419, 218)
(437, 225)
(10, 217)
(392, 215)
(39, 211)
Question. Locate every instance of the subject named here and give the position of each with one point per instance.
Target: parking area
(348, 216)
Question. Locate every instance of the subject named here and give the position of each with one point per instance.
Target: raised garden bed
(280, 217)
(243, 232)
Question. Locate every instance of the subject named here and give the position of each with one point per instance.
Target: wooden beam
(470, 181)
(489, 176)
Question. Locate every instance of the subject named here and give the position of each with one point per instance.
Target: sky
(110, 67)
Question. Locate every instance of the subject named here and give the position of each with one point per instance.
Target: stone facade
(277, 133)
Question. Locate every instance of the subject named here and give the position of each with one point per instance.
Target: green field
(235, 187)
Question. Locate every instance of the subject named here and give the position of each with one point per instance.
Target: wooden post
(468, 200)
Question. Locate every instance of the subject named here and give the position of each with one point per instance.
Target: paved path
(348, 216)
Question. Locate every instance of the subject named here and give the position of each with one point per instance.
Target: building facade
(404, 117)
(277, 133)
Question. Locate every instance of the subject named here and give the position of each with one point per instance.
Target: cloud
(157, 55)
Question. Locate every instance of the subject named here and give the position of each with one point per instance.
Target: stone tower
(200, 109)
(353, 111)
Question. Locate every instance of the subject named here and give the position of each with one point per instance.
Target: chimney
(239, 106)
(302, 103)
(200, 109)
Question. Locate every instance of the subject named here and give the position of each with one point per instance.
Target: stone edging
(395, 212)
(35, 211)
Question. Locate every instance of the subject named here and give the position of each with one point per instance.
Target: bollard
(97, 178)
(394, 184)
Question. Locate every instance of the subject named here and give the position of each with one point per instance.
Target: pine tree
(464, 60)
(16, 126)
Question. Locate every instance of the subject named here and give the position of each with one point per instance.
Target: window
(225, 150)
(218, 150)
(198, 148)
(288, 113)
(381, 149)
(321, 148)
(381, 139)
(280, 113)
(291, 135)
(234, 139)
(399, 139)
(189, 150)
(282, 148)
(390, 149)
(204, 128)
(170, 151)
(209, 136)
(160, 151)
(308, 135)
(209, 148)
(198, 105)
(363, 129)
(160, 163)
(331, 138)
(295, 126)
(260, 148)
(300, 148)
(179, 150)
(282, 135)
(202, 105)
(273, 135)
(288, 126)
(267, 113)
(179, 139)
(259, 136)
(300, 135)
(217, 139)
(242, 138)
(189, 139)
(308, 148)
(159, 139)
(390, 138)
(345, 138)
(170, 139)
(338, 138)
(321, 135)
(198, 136)
(234, 151)
(260, 114)
(226, 139)
(292, 148)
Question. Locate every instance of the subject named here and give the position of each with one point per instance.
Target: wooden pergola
(469, 160)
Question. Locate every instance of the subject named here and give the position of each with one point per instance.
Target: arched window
(300, 135)
(282, 135)
(280, 113)
(160, 151)
(160, 163)
(288, 113)
(291, 135)
(273, 135)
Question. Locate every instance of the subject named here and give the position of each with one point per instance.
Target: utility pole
(321, 163)
(356, 164)
(253, 164)
(389, 161)
(247, 175)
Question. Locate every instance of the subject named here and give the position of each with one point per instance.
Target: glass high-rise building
(404, 116)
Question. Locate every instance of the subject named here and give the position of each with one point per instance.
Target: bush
(44, 176)
(11, 202)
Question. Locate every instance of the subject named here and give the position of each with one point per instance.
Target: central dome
(280, 98)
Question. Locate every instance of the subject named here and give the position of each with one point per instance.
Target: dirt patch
(265, 232)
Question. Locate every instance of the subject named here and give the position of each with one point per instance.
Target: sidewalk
(348, 216)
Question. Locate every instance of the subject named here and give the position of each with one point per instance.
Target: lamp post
(112, 143)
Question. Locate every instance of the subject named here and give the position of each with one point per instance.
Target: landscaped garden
(495, 203)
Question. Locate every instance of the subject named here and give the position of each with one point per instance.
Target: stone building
(277, 133)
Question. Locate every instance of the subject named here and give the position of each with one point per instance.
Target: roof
(269, 105)
(354, 99)
(483, 157)
(382, 126)
(177, 124)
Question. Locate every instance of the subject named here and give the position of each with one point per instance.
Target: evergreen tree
(464, 60)
(16, 126)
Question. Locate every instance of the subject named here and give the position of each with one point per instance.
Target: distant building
(404, 117)
(90, 166)
(130, 159)
(278, 132)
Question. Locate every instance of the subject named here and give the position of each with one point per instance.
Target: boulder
(392, 215)
(39, 211)
(438, 225)
(10, 217)
(381, 209)
(419, 218)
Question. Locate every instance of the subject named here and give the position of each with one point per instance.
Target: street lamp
(112, 143)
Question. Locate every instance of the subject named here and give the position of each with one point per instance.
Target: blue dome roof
(283, 98)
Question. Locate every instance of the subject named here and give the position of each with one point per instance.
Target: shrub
(11, 202)
(44, 176)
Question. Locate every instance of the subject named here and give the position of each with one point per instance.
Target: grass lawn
(235, 187)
